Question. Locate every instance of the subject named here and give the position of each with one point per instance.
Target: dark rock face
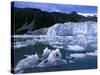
(31, 19)
(41, 31)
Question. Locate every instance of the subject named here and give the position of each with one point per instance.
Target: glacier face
(72, 28)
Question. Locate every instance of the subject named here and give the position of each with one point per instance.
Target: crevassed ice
(72, 28)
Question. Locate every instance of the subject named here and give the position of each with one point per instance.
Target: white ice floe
(75, 48)
(78, 55)
(55, 46)
(29, 61)
(92, 53)
(47, 62)
(19, 45)
(52, 62)
(46, 52)
(82, 55)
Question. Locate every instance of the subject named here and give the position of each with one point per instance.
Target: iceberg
(46, 52)
(55, 54)
(28, 62)
(54, 58)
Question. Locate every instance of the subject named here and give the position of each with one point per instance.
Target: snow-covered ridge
(73, 28)
(88, 14)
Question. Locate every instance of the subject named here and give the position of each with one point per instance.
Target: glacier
(73, 28)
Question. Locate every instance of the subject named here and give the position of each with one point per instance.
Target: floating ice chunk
(19, 45)
(55, 54)
(36, 56)
(71, 61)
(78, 55)
(92, 53)
(29, 61)
(52, 62)
(68, 57)
(54, 58)
(75, 48)
(47, 62)
(62, 61)
(46, 52)
(55, 46)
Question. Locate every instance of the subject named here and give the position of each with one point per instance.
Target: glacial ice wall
(72, 28)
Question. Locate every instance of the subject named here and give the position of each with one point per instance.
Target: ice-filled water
(71, 43)
(53, 52)
(73, 49)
